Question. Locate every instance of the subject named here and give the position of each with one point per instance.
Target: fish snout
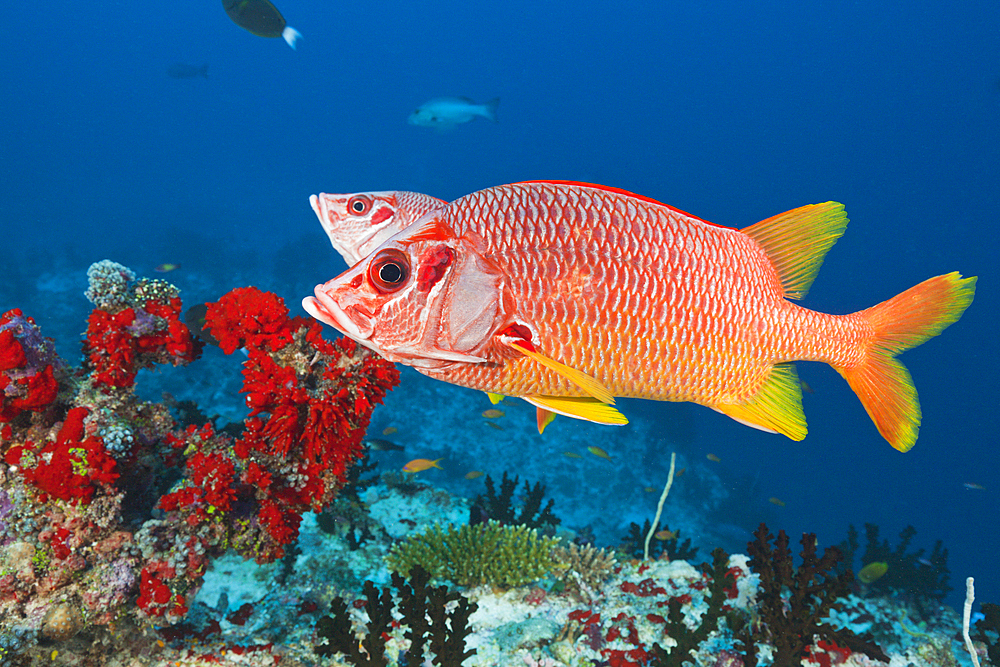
(352, 319)
(317, 207)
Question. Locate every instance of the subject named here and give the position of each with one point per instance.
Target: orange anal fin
(579, 407)
(585, 382)
(543, 418)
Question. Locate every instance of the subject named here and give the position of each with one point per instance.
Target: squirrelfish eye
(359, 205)
(389, 270)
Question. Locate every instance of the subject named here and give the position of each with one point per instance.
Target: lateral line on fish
(589, 384)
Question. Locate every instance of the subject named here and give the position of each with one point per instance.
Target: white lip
(328, 311)
(314, 202)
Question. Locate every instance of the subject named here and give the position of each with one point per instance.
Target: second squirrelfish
(570, 294)
(359, 222)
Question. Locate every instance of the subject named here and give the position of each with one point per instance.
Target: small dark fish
(185, 71)
(194, 318)
(494, 425)
(972, 486)
(383, 445)
(261, 18)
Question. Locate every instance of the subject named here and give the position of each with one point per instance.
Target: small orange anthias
(569, 294)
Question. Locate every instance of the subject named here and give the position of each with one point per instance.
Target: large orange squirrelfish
(569, 295)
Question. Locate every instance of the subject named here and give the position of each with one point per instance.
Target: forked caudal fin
(903, 322)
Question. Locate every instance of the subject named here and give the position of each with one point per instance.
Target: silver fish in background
(447, 112)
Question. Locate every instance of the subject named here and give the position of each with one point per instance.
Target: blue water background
(732, 111)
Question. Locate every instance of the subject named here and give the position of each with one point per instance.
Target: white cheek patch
(473, 305)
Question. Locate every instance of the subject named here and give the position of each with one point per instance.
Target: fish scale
(622, 317)
(569, 294)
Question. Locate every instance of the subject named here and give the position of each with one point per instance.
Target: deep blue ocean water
(731, 111)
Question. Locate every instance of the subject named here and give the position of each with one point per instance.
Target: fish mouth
(314, 202)
(327, 310)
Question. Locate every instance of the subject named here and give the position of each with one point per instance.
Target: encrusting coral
(486, 553)
(78, 448)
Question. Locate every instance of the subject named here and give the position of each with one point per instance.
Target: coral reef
(987, 631)
(793, 603)
(432, 615)
(486, 553)
(500, 507)
(722, 581)
(111, 511)
(919, 578)
(672, 548)
(584, 569)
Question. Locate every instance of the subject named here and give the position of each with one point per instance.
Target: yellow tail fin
(903, 322)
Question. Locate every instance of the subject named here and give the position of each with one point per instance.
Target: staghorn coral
(584, 568)
(487, 553)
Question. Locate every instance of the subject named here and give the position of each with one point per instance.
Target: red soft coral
(11, 352)
(72, 468)
(248, 317)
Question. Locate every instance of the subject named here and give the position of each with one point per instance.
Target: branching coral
(500, 507)
(922, 578)
(793, 602)
(487, 553)
(722, 582)
(432, 615)
(584, 569)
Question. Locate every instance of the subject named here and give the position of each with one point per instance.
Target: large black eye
(389, 270)
(359, 205)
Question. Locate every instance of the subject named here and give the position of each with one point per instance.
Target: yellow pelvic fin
(796, 242)
(776, 408)
(494, 398)
(585, 382)
(543, 418)
(579, 407)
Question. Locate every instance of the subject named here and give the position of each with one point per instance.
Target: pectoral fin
(494, 398)
(585, 382)
(579, 407)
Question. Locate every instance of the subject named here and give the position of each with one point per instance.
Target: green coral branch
(486, 553)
